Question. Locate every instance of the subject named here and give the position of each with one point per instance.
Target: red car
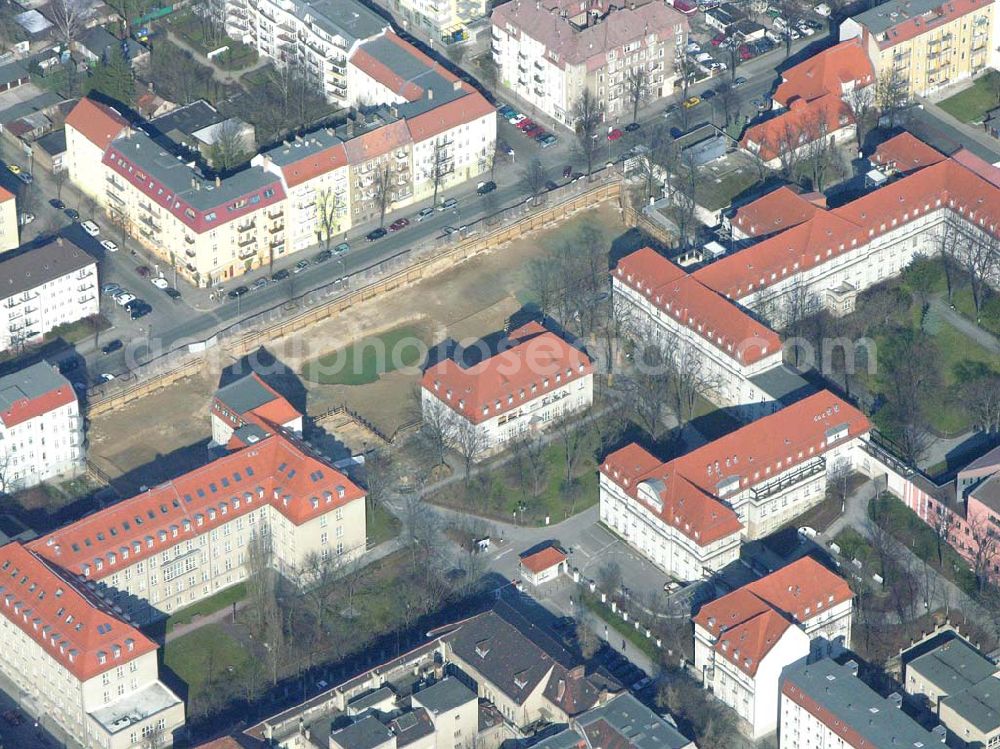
(614, 134)
(531, 132)
(399, 223)
(745, 53)
(716, 41)
(525, 124)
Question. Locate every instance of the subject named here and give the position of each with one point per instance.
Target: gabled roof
(831, 71)
(251, 396)
(687, 487)
(98, 123)
(803, 122)
(544, 559)
(447, 116)
(378, 142)
(897, 21)
(777, 210)
(625, 723)
(718, 321)
(5, 195)
(277, 471)
(537, 362)
(905, 153)
(748, 643)
(73, 627)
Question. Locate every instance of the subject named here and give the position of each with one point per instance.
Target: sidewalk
(225, 77)
(983, 337)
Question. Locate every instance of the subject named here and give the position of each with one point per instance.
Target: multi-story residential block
(959, 683)
(312, 38)
(90, 128)
(825, 705)
(623, 723)
(190, 537)
(248, 410)
(41, 431)
(824, 257)
(736, 357)
(534, 381)
(688, 515)
(9, 221)
(743, 640)
(550, 52)
(43, 288)
(76, 662)
(926, 44)
(439, 17)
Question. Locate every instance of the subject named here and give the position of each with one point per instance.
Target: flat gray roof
(365, 701)
(412, 69)
(857, 707)
(979, 704)
(568, 739)
(988, 492)
(31, 382)
(12, 71)
(245, 394)
(29, 267)
(345, 18)
(187, 119)
(446, 695)
(135, 707)
(953, 666)
(945, 137)
(783, 384)
(883, 17)
(367, 733)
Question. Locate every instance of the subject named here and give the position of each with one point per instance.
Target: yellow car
(14, 168)
(692, 102)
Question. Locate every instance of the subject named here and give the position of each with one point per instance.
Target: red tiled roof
(538, 362)
(827, 72)
(803, 122)
(276, 471)
(98, 123)
(314, 165)
(778, 210)
(377, 142)
(376, 69)
(977, 165)
(803, 584)
(914, 26)
(74, 627)
(542, 560)
(275, 413)
(748, 643)
(457, 112)
(905, 153)
(5, 195)
(693, 305)
(26, 409)
(748, 456)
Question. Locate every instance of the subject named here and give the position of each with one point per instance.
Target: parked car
(718, 39)
(517, 118)
(708, 94)
(448, 230)
(91, 228)
(281, 275)
(448, 204)
(632, 127)
(57, 204)
(323, 256)
(122, 299)
(105, 377)
(375, 234)
(143, 271)
(691, 102)
(343, 247)
(26, 218)
(14, 168)
(550, 185)
(141, 309)
(301, 266)
(238, 292)
(740, 81)
(173, 293)
(567, 171)
(109, 289)
(525, 124)
(505, 110)
(503, 148)
(72, 213)
(486, 187)
(532, 131)
(424, 213)
(109, 245)
(398, 224)
(160, 283)
(26, 177)
(111, 346)
(260, 283)
(549, 139)
(614, 134)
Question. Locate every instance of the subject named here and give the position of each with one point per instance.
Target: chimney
(576, 672)
(896, 699)
(941, 732)
(59, 241)
(430, 94)
(852, 666)
(457, 84)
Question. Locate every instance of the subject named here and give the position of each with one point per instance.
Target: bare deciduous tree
(229, 149)
(528, 450)
(983, 538)
(533, 177)
(981, 397)
(441, 166)
(637, 88)
(382, 189)
(69, 17)
(328, 207)
(587, 118)
(470, 444)
(437, 428)
(260, 581)
(379, 475)
(649, 389)
(891, 94)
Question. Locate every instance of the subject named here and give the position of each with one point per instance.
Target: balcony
(538, 65)
(245, 227)
(147, 207)
(188, 240)
(190, 253)
(148, 221)
(244, 254)
(275, 228)
(246, 242)
(539, 79)
(523, 69)
(781, 483)
(115, 197)
(114, 183)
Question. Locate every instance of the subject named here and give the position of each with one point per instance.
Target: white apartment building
(437, 17)
(9, 221)
(314, 38)
(831, 255)
(188, 538)
(41, 432)
(76, 662)
(737, 357)
(688, 515)
(549, 52)
(43, 288)
(531, 384)
(743, 640)
(824, 705)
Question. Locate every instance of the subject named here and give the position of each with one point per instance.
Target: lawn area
(221, 600)
(498, 493)
(382, 526)
(989, 319)
(717, 192)
(972, 104)
(635, 636)
(204, 656)
(191, 29)
(364, 361)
